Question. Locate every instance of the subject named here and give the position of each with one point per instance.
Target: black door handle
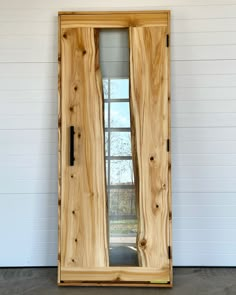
(72, 158)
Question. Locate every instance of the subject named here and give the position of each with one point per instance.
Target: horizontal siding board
(204, 199)
(204, 235)
(35, 43)
(48, 172)
(49, 95)
(36, 108)
(40, 121)
(205, 224)
(208, 107)
(204, 12)
(204, 147)
(37, 161)
(193, 259)
(205, 247)
(204, 159)
(203, 93)
(28, 70)
(203, 172)
(40, 205)
(220, 52)
(210, 211)
(187, 134)
(28, 136)
(27, 55)
(204, 120)
(27, 257)
(27, 14)
(25, 28)
(203, 38)
(29, 187)
(28, 83)
(218, 67)
(20, 148)
(204, 25)
(204, 185)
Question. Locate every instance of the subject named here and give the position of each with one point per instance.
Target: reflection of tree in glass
(121, 170)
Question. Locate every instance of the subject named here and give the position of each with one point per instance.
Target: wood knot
(65, 36)
(59, 58)
(73, 212)
(72, 260)
(151, 158)
(163, 186)
(76, 240)
(71, 109)
(84, 52)
(143, 243)
(72, 176)
(169, 165)
(59, 122)
(75, 88)
(79, 135)
(157, 206)
(59, 202)
(118, 278)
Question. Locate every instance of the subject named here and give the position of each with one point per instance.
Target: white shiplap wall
(203, 44)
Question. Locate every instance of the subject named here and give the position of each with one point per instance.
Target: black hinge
(168, 145)
(167, 40)
(169, 252)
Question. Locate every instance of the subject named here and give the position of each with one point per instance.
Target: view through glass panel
(114, 61)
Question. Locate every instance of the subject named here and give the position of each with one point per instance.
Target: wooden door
(83, 234)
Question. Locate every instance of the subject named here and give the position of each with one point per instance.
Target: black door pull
(72, 158)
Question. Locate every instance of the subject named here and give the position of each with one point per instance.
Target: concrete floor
(189, 281)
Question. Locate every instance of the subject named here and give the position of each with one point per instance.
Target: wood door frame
(113, 19)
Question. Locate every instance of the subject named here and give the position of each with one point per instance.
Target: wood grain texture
(115, 274)
(112, 284)
(83, 212)
(150, 131)
(169, 155)
(114, 19)
(59, 153)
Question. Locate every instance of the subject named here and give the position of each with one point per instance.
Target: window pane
(121, 172)
(122, 204)
(106, 114)
(105, 88)
(120, 144)
(107, 180)
(119, 88)
(123, 227)
(106, 143)
(120, 115)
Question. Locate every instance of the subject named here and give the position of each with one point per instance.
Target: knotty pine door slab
(83, 257)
